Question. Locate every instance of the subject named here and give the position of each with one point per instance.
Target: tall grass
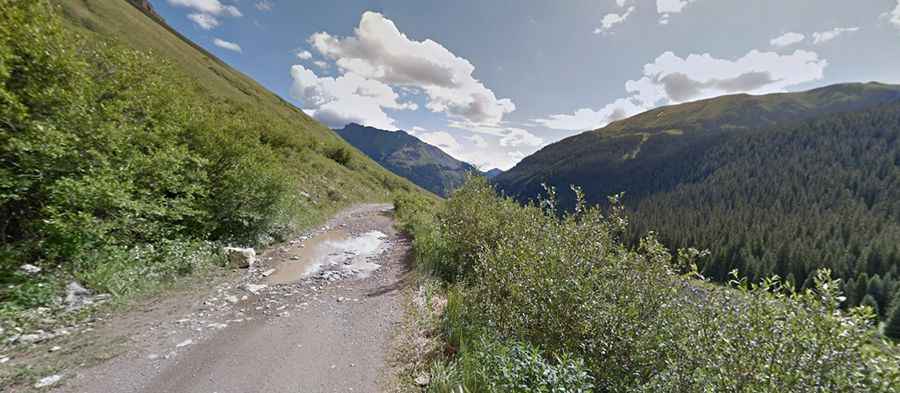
(542, 302)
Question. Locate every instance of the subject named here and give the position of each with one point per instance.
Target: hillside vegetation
(776, 184)
(425, 165)
(128, 157)
(790, 200)
(536, 302)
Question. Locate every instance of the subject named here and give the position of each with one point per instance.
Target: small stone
(55, 348)
(29, 269)
(268, 273)
(4, 359)
(295, 258)
(232, 299)
(77, 296)
(423, 380)
(184, 343)
(240, 257)
(340, 299)
(152, 356)
(254, 288)
(47, 381)
(33, 338)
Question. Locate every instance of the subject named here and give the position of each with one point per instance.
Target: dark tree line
(791, 199)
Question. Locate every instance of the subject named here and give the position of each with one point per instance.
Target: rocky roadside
(142, 348)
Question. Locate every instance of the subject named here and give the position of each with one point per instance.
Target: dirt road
(321, 321)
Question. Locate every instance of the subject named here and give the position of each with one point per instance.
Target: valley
(219, 196)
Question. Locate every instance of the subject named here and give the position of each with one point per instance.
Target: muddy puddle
(332, 250)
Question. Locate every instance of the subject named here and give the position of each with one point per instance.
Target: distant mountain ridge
(492, 173)
(650, 152)
(403, 154)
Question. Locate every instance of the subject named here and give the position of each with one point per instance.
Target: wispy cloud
(207, 12)
(612, 19)
(264, 5)
(227, 45)
(787, 39)
(825, 36)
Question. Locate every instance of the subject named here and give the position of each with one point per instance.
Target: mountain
(653, 151)
(423, 164)
(774, 184)
(492, 173)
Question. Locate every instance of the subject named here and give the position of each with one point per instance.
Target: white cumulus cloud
(509, 136)
(478, 141)
(379, 51)
(588, 119)
(304, 55)
(441, 139)
(671, 79)
(825, 36)
(227, 45)
(787, 39)
(349, 98)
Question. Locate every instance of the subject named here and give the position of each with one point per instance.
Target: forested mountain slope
(788, 200)
(775, 184)
(423, 164)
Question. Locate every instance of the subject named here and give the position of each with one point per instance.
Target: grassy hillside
(123, 23)
(407, 156)
(128, 156)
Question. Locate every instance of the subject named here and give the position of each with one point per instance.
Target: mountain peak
(425, 165)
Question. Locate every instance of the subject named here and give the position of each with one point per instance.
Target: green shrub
(339, 154)
(494, 367)
(569, 285)
(123, 172)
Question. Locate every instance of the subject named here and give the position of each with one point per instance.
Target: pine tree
(892, 329)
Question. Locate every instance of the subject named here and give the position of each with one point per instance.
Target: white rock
(29, 269)
(55, 348)
(232, 299)
(47, 381)
(184, 343)
(4, 359)
(240, 257)
(268, 273)
(423, 380)
(77, 296)
(254, 288)
(33, 338)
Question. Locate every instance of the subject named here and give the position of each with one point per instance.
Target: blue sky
(493, 81)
